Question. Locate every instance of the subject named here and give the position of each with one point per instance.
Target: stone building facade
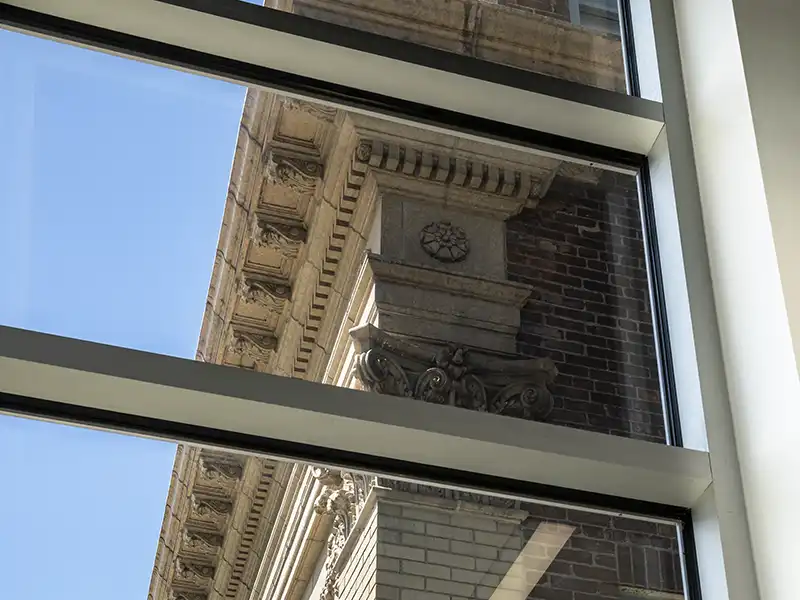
(360, 252)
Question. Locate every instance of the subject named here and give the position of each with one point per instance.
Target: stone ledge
(496, 291)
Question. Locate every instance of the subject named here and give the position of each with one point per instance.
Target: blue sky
(113, 177)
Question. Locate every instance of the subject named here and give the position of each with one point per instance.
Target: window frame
(628, 133)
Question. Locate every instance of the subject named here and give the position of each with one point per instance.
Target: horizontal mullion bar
(113, 380)
(455, 83)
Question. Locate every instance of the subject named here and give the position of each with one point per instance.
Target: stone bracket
(453, 375)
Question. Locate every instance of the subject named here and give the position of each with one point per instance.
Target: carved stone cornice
(475, 183)
(454, 375)
(336, 231)
(509, 293)
(479, 185)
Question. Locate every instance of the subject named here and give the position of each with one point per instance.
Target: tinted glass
(341, 248)
(577, 40)
(216, 524)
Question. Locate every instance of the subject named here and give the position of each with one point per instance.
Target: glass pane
(215, 524)
(340, 248)
(577, 40)
(90, 503)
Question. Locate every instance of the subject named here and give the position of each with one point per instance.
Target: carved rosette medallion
(284, 238)
(444, 241)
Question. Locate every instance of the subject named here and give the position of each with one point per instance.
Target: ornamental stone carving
(444, 241)
(211, 513)
(343, 497)
(384, 375)
(453, 375)
(266, 294)
(364, 151)
(192, 574)
(284, 238)
(298, 174)
(200, 543)
(218, 473)
(184, 595)
(258, 347)
(318, 111)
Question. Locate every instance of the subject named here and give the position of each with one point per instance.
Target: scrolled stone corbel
(527, 400)
(380, 373)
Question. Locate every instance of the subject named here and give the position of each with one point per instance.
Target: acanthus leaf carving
(285, 238)
(454, 375)
(184, 595)
(257, 347)
(450, 382)
(328, 477)
(380, 373)
(319, 111)
(218, 473)
(343, 496)
(526, 400)
(200, 543)
(298, 174)
(213, 513)
(266, 294)
(192, 574)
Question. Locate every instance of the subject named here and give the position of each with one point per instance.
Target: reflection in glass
(577, 40)
(353, 250)
(112, 175)
(265, 530)
(87, 503)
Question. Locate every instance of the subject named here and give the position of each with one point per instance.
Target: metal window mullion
(283, 50)
(139, 387)
(719, 553)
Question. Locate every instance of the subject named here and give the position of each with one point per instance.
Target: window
(600, 15)
(433, 268)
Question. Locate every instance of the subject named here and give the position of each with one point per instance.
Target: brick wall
(429, 553)
(605, 554)
(582, 250)
(434, 554)
(358, 577)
